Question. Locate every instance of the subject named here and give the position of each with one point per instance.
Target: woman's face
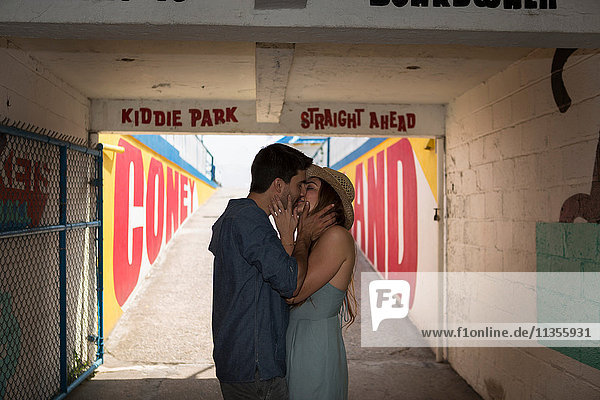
(313, 187)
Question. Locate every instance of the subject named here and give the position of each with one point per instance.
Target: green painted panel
(569, 248)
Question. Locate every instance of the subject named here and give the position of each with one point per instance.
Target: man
(253, 274)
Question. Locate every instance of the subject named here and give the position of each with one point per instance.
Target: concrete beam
(570, 24)
(235, 117)
(273, 63)
(278, 4)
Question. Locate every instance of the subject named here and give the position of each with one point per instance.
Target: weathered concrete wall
(33, 99)
(513, 159)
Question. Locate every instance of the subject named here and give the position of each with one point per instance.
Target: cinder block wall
(33, 99)
(512, 160)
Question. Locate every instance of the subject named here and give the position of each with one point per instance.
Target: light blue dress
(315, 352)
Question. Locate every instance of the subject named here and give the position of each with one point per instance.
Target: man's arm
(262, 249)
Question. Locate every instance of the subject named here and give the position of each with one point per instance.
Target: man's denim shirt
(252, 276)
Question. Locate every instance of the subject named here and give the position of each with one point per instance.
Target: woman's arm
(325, 260)
(310, 227)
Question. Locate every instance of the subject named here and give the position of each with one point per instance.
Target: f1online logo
(389, 300)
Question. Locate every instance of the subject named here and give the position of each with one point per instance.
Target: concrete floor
(161, 347)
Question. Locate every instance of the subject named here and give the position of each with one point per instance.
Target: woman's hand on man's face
(300, 206)
(313, 225)
(286, 218)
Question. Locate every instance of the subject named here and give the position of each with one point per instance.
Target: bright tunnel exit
(157, 182)
(163, 193)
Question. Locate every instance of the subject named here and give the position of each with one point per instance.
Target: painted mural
(584, 205)
(396, 195)
(148, 194)
(23, 187)
(570, 246)
(581, 205)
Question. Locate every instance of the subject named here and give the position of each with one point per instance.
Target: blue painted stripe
(165, 149)
(291, 140)
(285, 139)
(311, 140)
(364, 148)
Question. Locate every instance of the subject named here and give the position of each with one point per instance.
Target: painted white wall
(191, 150)
(33, 98)
(512, 160)
(343, 146)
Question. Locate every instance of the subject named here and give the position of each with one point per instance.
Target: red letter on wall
(359, 208)
(154, 203)
(183, 180)
(172, 202)
(192, 184)
(376, 214)
(402, 153)
(126, 273)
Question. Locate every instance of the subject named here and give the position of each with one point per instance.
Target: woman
(315, 353)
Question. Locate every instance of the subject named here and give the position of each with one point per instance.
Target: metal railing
(192, 149)
(51, 336)
(322, 155)
(209, 160)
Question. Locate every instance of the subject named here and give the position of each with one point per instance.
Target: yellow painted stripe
(428, 161)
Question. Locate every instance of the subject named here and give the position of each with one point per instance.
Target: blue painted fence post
(100, 274)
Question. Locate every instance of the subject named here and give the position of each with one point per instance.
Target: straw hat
(342, 186)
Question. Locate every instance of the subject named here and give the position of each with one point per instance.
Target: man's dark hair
(276, 161)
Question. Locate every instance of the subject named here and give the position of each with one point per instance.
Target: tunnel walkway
(161, 347)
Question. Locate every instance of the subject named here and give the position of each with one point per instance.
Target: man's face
(296, 188)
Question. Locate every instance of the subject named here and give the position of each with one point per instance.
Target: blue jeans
(272, 389)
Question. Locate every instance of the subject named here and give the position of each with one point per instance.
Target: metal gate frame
(62, 228)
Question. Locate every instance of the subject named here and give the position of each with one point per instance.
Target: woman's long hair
(327, 196)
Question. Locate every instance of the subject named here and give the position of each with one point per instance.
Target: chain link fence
(50, 265)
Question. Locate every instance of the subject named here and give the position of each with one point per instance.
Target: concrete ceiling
(358, 73)
(104, 69)
(385, 74)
